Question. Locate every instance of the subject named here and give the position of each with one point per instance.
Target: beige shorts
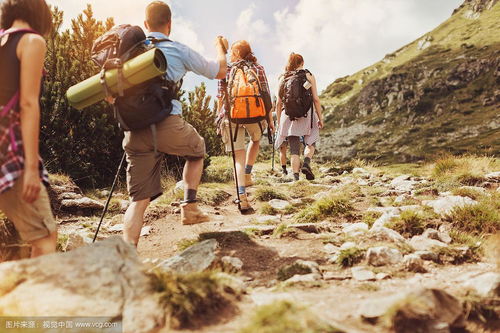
(254, 131)
(174, 136)
(32, 221)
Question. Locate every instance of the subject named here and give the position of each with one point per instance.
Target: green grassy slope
(419, 101)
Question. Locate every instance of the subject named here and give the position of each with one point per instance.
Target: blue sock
(248, 169)
(242, 189)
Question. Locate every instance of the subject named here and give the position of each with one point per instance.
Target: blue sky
(336, 37)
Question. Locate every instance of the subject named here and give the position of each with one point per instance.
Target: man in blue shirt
(174, 135)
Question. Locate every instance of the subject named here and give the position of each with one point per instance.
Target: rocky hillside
(438, 94)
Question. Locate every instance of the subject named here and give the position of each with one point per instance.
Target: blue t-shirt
(182, 59)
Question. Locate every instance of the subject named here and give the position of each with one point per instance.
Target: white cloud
(249, 27)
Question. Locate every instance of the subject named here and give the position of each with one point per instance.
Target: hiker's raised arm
(221, 46)
(32, 55)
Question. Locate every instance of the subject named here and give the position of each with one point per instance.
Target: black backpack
(297, 100)
(143, 105)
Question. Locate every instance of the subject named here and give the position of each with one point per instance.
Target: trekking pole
(228, 113)
(105, 210)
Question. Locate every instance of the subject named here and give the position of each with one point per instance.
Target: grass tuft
(327, 207)
(477, 219)
(267, 193)
(409, 223)
(188, 297)
(350, 257)
(220, 170)
(285, 316)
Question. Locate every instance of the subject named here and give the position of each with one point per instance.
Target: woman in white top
(304, 127)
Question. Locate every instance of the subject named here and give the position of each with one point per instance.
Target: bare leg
(295, 159)
(252, 152)
(309, 151)
(192, 173)
(283, 155)
(240, 166)
(44, 245)
(134, 218)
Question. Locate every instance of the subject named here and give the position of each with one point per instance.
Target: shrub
(285, 316)
(324, 208)
(266, 209)
(350, 257)
(370, 217)
(219, 170)
(475, 219)
(409, 223)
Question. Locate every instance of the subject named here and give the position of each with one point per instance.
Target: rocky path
(361, 248)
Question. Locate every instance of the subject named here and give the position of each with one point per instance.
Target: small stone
(347, 245)
(196, 258)
(383, 255)
(331, 249)
(355, 229)
(81, 204)
(362, 274)
(427, 255)
(421, 243)
(358, 171)
(414, 263)
(124, 205)
(384, 234)
(267, 219)
(117, 228)
(334, 276)
(306, 278)
(493, 176)
(279, 204)
(437, 235)
(232, 263)
(146, 230)
(382, 276)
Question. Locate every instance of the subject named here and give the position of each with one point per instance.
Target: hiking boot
(306, 170)
(191, 214)
(244, 204)
(248, 180)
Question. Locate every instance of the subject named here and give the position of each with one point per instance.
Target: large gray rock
(355, 229)
(196, 258)
(362, 274)
(102, 280)
(81, 204)
(445, 205)
(383, 255)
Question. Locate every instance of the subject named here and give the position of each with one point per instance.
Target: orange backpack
(247, 104)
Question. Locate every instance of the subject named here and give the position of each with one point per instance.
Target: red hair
(295, 60)
(244, 50)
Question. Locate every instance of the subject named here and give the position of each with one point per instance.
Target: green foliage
(327, 207)
(211, 194)
(370, 217)
(476, 219)
(186, 243)
(266, 209)
(286, 317)
(267, 193)
(84, 144)
(350, 257)
(219, 170)
(198, 113)
(467, 192)
(409, 223)
(186, 297)
(302, 189)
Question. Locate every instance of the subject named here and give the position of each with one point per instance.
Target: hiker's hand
(320, 124)
(221, 44)
(110, 99)
(31, 185)
(272, 128)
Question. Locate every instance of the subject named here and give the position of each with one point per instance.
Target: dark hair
(34, 12)
(244, 50)
(158, 14)
(294, 61)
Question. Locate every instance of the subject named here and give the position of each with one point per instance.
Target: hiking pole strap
(105, 210)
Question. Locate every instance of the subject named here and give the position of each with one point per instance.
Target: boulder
(362, 274)
(445, 205)
(81, 204)
(485, 285)
(421, 243)
(429, 310)
(383, 255)
(279, 204)
(104, 280)
(232, 264)
(76, 239)
(196, 258)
